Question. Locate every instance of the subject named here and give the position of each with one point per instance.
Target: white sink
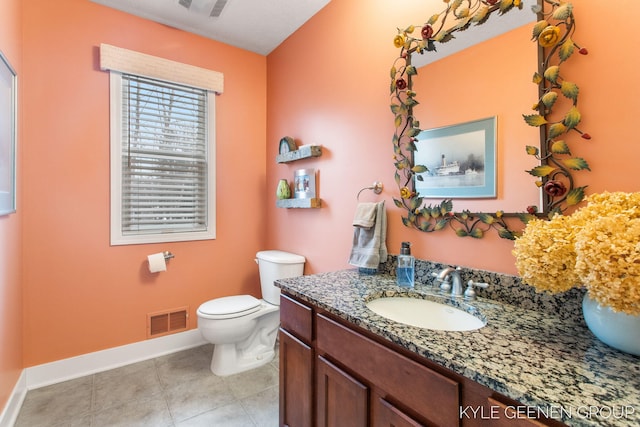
(425, 314)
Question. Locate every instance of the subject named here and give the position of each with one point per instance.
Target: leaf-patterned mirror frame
(553, 33)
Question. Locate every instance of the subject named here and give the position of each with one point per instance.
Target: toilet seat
(229, 307)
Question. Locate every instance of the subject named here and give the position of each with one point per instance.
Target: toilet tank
(275, 265)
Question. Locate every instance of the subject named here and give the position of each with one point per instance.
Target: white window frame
(116, 140)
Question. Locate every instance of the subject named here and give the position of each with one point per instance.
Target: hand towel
(365, 215)
(370, 244)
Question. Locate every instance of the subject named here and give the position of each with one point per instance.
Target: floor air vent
(167, 322)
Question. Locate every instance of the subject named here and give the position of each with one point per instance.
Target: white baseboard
(12, 408)
(87, 364)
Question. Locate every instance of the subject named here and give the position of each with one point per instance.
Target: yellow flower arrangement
(597, 247)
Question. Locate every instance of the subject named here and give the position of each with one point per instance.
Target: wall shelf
(301, 153)
(299, 203)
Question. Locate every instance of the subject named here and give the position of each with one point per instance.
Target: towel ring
(376, 187)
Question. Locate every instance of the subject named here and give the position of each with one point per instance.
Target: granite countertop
(538, 358)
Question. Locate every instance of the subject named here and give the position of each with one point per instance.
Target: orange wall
(11, 229)
(328, 84)
(81, 294)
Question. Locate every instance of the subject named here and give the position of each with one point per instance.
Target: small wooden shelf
(298, 203)
(301, 153)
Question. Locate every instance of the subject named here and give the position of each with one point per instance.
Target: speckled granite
(544, 358)
(504, 288)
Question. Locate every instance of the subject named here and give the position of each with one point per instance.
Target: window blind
(164, 157)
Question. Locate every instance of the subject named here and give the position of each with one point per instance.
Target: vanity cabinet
(296, 364)
(333, 373)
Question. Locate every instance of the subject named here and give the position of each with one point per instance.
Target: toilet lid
(236, 305)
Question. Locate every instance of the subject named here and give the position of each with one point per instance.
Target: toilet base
(226, 360)
(255, 351)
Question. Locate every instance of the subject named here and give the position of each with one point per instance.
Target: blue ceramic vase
(618, 330)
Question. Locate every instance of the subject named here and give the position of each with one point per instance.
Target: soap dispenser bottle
(406, 265)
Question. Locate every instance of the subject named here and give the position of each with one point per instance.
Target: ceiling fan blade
(217, 8)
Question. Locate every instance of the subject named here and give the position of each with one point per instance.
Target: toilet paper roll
(157, 262)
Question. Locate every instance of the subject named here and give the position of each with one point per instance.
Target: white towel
(365, 215)
(370, 244)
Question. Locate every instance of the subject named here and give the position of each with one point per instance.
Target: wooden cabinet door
(342, 400)
(296, 382)
(384, 414)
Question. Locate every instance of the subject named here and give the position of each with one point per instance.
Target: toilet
(242, 328)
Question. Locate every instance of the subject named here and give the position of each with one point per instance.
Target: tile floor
(174, 390)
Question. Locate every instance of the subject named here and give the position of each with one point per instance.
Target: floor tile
(261, 408)
(184, 366)
(186, 400)
(152, 412)
(232, 415)
(122, 385)
(178, 389)
(64, 403)
(251, 382)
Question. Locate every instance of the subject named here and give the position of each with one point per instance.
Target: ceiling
(255, 25)
(496, 25)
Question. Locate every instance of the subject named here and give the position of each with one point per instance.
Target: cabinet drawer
(506, 415)
(425, 391)
(296, 318)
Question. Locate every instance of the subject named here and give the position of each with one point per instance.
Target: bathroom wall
(328, 84)
(11, 230)
(81, 294)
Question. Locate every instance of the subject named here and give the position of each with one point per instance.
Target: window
(162, 160)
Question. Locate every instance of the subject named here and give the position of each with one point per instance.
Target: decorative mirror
(555, 119)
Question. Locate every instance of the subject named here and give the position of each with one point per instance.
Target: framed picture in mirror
(460, 160)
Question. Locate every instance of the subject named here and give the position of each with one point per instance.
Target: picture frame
(461, 160)
(304, 183)
(8, 126)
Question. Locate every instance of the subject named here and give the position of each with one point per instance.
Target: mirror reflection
(492, 78)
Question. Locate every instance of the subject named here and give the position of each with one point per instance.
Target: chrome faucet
(450, 281)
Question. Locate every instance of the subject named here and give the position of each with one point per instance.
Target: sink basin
(425, 314)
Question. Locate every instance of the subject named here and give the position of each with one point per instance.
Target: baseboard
(87, 364)
(12, 408)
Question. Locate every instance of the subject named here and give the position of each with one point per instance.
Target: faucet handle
(445, 285)
(444, 279)
(438, 276)
(470, 293)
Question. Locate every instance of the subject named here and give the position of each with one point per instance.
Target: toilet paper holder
(168, 255)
